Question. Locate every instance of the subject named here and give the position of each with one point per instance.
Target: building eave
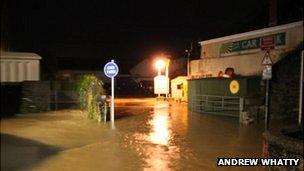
(19, 55)
(252, 33)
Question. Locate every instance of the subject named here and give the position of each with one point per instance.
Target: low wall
(248, 86)
(35, 96)
(282, 146)
(249, 90)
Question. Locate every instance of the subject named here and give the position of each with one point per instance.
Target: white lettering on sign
(258, 161)
(110, 67)
(111, 71)
(267, 73)
(249, 44)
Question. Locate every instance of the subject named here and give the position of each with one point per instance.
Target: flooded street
(148, 135)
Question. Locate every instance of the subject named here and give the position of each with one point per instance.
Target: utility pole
(188, 58)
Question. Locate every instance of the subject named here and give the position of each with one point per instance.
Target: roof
(19, 55)
(145, 68)
(253, 33)
(179, 78)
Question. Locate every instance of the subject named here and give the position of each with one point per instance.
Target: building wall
(18, 69)
(216, 54)
(182, 93)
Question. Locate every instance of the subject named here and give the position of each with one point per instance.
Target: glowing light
(161, 153)
(160, 126)
(160, 64)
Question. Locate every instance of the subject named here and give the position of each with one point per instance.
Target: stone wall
(35, 96)
(282, 146)
(284, 87)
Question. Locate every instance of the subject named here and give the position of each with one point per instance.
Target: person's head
(220, 74)
(229, 71)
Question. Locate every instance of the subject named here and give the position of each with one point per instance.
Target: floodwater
(148, 135)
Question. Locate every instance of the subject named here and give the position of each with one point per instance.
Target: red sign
(267, 43)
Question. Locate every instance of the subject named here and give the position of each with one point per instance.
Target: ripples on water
(169, 138)
(156, 146)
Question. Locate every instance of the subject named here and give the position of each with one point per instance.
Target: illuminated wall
(179, 88)
(243, 51)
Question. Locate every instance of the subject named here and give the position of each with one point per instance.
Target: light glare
(160, 64)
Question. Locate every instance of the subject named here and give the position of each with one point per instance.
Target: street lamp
(160, 64)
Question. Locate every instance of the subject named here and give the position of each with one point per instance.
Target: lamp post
(160, 64)
(167, 75)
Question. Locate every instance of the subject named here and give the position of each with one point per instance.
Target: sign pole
(112, 102)
(267, 75)
(111, 70)
(267, 105)
(267, 43)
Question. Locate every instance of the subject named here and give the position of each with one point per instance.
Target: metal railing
(220, 105)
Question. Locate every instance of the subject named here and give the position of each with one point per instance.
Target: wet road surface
(148, 135)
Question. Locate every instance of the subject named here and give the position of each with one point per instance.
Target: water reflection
(160, 133)
(162, 154)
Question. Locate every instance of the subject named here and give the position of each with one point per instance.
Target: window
(180, 86)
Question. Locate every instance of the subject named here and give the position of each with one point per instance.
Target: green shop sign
(249, 44)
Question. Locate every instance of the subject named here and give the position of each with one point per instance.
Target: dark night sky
(85, 34)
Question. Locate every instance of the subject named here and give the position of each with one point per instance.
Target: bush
(89, 87)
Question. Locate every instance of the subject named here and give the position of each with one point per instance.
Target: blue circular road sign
(110, 69)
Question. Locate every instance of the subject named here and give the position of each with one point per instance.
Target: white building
(18, 67)
(179, 88)
(243, 51)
